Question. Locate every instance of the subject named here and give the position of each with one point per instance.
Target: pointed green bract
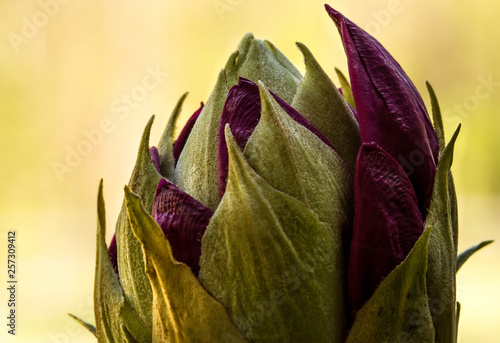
(232, 70)
(442, 266)
(243, 48)
(464, 256)
(260, 63)
(183, 311)
(108, 296)
(320, 102)
(295, 161)
(346, 88)
(270, 261)
(165, 146)
(86, 325)
(133, 279)
(436, 116)
(196, 170)
(281, 58)
(398, 311)
(439, 129)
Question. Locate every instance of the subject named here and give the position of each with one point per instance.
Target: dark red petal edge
(155, 158)
(387, 222)
(184, 135)
(242, 112)
(390, 109)
(183, 220)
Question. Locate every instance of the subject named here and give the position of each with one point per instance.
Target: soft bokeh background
(69, 66)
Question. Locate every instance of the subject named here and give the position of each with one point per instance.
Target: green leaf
(108, 296)
(270, 261)
(86, 325)
(196, 170)
(442, 267)
(320, 102)
(346, 88)
(436, 116)
(464, 256)
(260, 63)
(182, 310)
(295, 161)
(398, 311)
(133, 279)
(165, 147)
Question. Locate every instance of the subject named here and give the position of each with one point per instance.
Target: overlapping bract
(282, 215)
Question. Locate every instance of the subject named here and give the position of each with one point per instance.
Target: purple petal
(242, 112)
(155, 158)
(183, 220)
(113, 253)
(184, 135)
(387, 222)
(390, 109)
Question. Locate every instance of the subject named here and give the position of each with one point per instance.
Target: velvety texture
(390, 110)
(242, 112)
(183, 220)
(184, 135)
(387, 222)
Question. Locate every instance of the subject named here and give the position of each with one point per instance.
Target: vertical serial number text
(11, 282)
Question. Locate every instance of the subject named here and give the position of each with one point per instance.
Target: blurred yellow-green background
(71, 67)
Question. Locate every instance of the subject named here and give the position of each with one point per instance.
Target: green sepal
(320, 102)
(108, 295)
(281, 58)
(231, 70)
(86, 325)
(183, 311)
(133, 279)
(346, 88)
(243, 48)
(165, 146)
(134, 325)
(398, 311)
(270, 261)
(439, 129)
(260, 63)
(196, 170)
(436, 117)
(442, 266)
(295, 161)
(464, 256)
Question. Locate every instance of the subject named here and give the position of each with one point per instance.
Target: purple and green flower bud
(288, 210)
